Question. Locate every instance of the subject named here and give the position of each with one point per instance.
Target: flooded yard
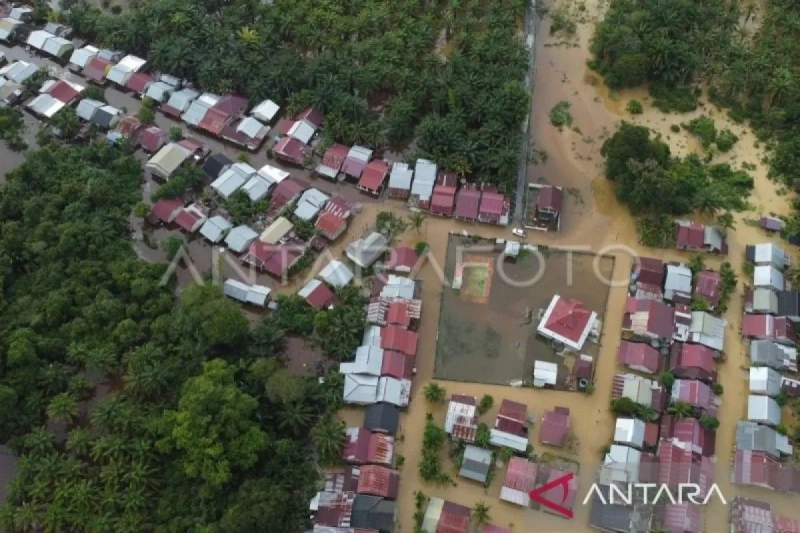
(487, 327)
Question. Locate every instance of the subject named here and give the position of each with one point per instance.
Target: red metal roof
(692, 361)
(550, 198)
(291, 149)
(335, 508)
(152, 138)
(443, 200)
(784, 524)
(556, 494)
(402, 257)
(330, 225)
(214, 121)
(467, 203)
(512, 418)
(756, 468)
(555, 426)
(651, 431)
(63, 91)
(129, 125)
(287, 190)
(374, 175)
(650, 271)
(321, 297)
(273, 259)
(231, 105)
(139, 81)
(568, 319)
(757, 326)
(680, 518)
(187, 220)
(455, 518)
(491, 205)
(378, 480)
(692, 236)
(398, 314)
(708, 286)
(692, 392)
(334, 156)
(400, 339)
(784, 329)
(690, 431)
(193, 145)
(639, 355)
(520, 475)
(165, 207)
(397, 365)
(339, 206)
(682, 466)
(284, 126)
(363, 446)
(96, 68)
(312, 116)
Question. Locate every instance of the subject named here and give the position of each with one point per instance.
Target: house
(247, 132)
(401, 259)
(398, 365)
(510, 427)
(394, 391)
(382, 418)
(751, 516)
(286, 192)
(629, 432)
(549, 205)
(226, 109)
(167, 160)
(336, 274)
(692, 361)
(58, 47)
(360, 389)
(399, 339)
(707, 330)
(767, 254)
(122, 71)
(216, 165)
(152, 139)
(545, 374)
(641, 390)
(461, 421)
(309, 204)
(257, 188)
(373, 513)
(764, 380)
(790, 386)
(364, 252)
(38, 38)
(555, 426)
(751, 436)
(317, 294)
(758, 469)
(265, 111)
(373, 177)
(764, 410)
(621, 464)
(567, 321)
(330, 225)
(332, 161)
(274, 175)
(520, 481)
(197, 109)
(8, 28)
(423, 184)
(159, 91)
(276, 231)
(399, 313)
(444, 194)
(19, 71)
(761, 301)
(106, 117)
(649, 318)
(291, 150)
(467, 203)
(708, 287)
(129, 127)
(493, 207)
(303, 127)
(565, 494)
(678, 465)
(377, 480)
(59, 30)
(398, 287)
(333, 508)
(96, 69)
(616, 518)
(771, 224)
(767, 276)
(63, 91)
(400, 181)
(476, 463)
(272, 259)
(649, 274)
(240, 238)
(689, 434)
(191, 218)
(139, 82)
(356, 161)
(44, 106)
(765, 352)
(692, 236)
(780, 330)
(678, 284)
(789, 305)
(247, 294)
(446, 517)
(362, 446)
(21, 14)
(165, 210)
(215, 229)
(179, 102)
(88, 108)
(695, 393)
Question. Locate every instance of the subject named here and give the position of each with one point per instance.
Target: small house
(562, 491)
(58, 47)
(394, 391)
(247, 132)
(139, 82)
(510, 427)
(398, 365)
(38, 38)
(257, 295)
(179, 102)
(167, 160)
(8, 28)
(651, 319)
(165, 210)
(756, 469)
(446, 517)
(765, 380)
(476, 463)
(692, 236)
(707, 330)
(106, 117)
(401, 259)
(755, 437)
(771, 224)
(129, 127)
(377, 480)
(769, 277)
(520, 481)
(286, 192)
(567, 321)
(678, 284)
(789, 305)
(96, 69)
(643, 391)
(191, 218)
(461, 421)
(215, 229)
(762, 301)
(44, 106)
(232, 179)
(695, 393)
(356, 161)
(708, 287)
(360, 389)
(317, 294)
(555, 427)
(239, 239)
(764, 410)
(226, 109)
(630, 432)
(19, 71)
(621, 464)
(444, 194)
(468, 202)
(63, 91)
(216, 165)
(692, 361)
(767, 254)
(780, 330)
(648, 274)
(336, 274)
(365, 447)
(680, 466)
(549, 205)
(765, 352)
(87, 108)
(197, 109)
(122, 71)
(309, 204)
(276, 231)
(152, 139)
(423, 184)
(364, 252)
(80, 57)
(399, 339)
(291, 150)
(639, 356)
(382, 418)
(689, 434)
(373, 513)
(159, 91)
(400, 181)
(332, 161)
(265, 111)
(330, 225)
(493, 208)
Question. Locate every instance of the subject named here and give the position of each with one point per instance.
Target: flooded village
(562, 350)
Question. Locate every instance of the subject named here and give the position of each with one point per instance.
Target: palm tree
(63, 408)
(435, 393)
(39, 442)
(295, 418)
(249, 35)
(328, 437)
(725, 221)
(680, 409)
(480, 513)
(79, 441)
(416, 219)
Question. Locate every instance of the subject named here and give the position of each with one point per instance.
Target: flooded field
(490, 337)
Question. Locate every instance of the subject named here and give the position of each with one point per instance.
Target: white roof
(37, 38)
(768, 276)
(310, 203)
(310, 287)
(424, 179)
(360, 153)
(398, 287)
(215, 228)
(622, 463)
(273, 174)
(550, 334)
(401, 176)
(763, 409)
(159, 91)
(232, 179)
(766, 253)
(394, 391)
(45, 105)
(629, 431)
(507, 440)
(678, 279)
(131, 63)
(240, 238)
(265, 111)
(372, 336)
(336, 274)
(252, 128)
(57, 46)
(256, 188)
(360, 389)
(87, 108)
(544, 373)
(302, 130)
(81, 56)
(182, 99)
(258, 295)
(251, 294)
(369, 360)
(707, 330)
(765, 380)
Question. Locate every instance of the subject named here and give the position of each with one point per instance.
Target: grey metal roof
(265, 111)
(476, 463)
(608, 517)
(181, 100)
(758, 438)
(257, 188)
(214, 228)
(424, 178)
(252, 128)
(240, 238)
(401, 176)
(19, 71)
(87, 108)
(788, 303)
(364, 252)
(105, 116)
(81, 56)
(159, 91)
(765, 352)
(712, 237)
(382, 417)
(765, 380)
(45, 105)
(763, 409)
(360, 389)
(372, 512)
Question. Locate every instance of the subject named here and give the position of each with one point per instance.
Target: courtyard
(491, 306)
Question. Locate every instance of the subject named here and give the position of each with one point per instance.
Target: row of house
(749, 516)
(763, 450)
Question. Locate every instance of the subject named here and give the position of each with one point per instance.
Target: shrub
(486, 403)
(703, 128)
(673, 99)
(718, 389)
(675, 128)
(175, 133)
(725, 140)
(635, 107)
(560, 115)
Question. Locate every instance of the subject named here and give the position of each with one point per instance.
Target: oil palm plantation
(328, 437)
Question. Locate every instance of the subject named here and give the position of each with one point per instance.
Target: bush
(718, 389)
(175, 133)
(635, 107)
(486, 403)
(673, 99)
(141, 210)
(703, 128)
(725, 140)
(560, 115)
(675, 128)
(421, 247)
